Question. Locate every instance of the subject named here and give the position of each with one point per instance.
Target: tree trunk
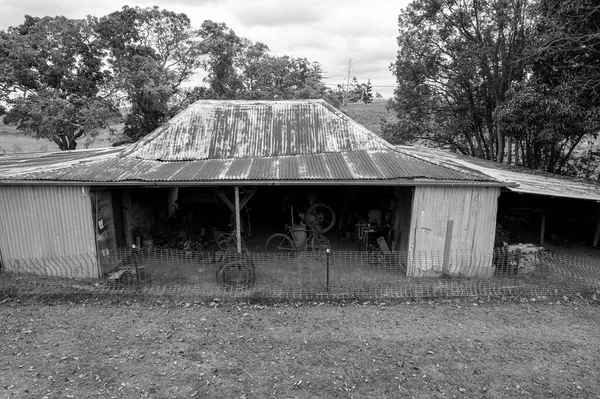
(64, 142)
(500, 138)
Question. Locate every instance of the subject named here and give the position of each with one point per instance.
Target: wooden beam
(597, 232)
(447, 247)
(226, 200)
(238, 229)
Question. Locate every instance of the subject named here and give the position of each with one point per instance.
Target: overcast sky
(328, 31)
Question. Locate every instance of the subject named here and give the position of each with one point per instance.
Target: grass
(135, 347)
(370, 115)
(14, 141)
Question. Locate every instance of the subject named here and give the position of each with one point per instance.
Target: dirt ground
(125, 348)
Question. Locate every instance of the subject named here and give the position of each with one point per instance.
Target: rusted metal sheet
(30, 162)
(453, 227)
(527, 181)
(255, 129)
(47, 230)
(258, 141)
(356, 165)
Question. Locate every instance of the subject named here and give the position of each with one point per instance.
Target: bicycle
(314, 241)
(228, 242)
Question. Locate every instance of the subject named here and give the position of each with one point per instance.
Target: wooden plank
(597, 232)
(447, 247)
(238, 222)
(543, 230)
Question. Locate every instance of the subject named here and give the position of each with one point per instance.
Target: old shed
(79, 207)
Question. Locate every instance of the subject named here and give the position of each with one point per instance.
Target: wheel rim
(320, 217)
(279, 243)
(236, 274)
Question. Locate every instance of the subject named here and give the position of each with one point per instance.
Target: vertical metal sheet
(472, 211)
(47, 230)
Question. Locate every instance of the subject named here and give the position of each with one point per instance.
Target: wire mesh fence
(305, 274)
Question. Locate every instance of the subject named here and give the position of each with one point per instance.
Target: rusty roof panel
(529, 181)
(338, 166)
(224, 141)
(288, 168)
(265, 167)
(356, 165)
(362, 165)
(239, 169)
(405, 165)
(47, 161)
(254, 129)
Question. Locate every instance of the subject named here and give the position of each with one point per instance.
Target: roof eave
(357, 182)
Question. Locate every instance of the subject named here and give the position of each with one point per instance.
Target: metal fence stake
(327, 253)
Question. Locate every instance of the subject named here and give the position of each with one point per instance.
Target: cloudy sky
(332, 32)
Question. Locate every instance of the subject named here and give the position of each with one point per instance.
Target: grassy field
(126, 348)
(370, 115)
(13, 141)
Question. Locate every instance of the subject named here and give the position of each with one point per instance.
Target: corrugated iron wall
(47, 230)
(452, 231)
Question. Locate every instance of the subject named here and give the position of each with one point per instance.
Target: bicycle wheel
(319, 244)
(225, 240)
(279, 242)
(320, 217)
(237, 273)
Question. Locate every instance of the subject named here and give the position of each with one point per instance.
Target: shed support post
(238, 227)
(543, 230)
(597, 232)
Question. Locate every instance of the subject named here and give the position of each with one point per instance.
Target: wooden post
(543, 230)
(447, 247)
(597, 232)
(172, 196)
(238, 227)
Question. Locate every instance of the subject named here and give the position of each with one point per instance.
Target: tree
(367, 93)
(238, 68)
(222, 47)
(557, 105)
(455, 63)
(151, 52)
(51, 77)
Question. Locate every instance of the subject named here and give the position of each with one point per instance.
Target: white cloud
(329, 32)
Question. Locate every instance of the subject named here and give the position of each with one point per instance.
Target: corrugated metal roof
(344, 166)
(254, 129)
(31, 162)
(529, 181)
(253, 141)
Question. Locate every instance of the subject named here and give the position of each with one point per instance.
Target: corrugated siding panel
(472, 211)
(47, 230)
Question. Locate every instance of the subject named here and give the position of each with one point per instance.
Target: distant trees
(239, 68)
(51, 76)
(508, 80)
(151, 54)
(65, 79)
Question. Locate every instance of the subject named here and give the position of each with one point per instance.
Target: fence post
(134, 253)
(327, 252)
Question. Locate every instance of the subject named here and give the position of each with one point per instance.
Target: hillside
(370, 115)
(14, 141)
